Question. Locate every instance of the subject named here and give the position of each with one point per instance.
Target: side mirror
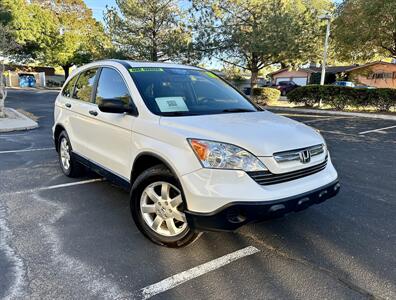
(116, 106)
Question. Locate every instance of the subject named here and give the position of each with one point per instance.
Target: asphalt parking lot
(75, 239)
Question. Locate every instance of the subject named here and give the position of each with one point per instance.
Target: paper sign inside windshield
(171, 104)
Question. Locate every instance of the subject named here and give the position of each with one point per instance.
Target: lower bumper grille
(267, 178)
(235, 214)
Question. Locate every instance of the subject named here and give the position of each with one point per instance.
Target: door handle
(93, 112)
(68, 105)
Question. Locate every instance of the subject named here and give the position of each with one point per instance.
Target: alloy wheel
(160, 207)
(65, 153)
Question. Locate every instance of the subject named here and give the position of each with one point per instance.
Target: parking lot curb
(37, 88)
(332, 112)
(17, 122)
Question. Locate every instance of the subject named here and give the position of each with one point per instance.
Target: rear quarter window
(69, 87)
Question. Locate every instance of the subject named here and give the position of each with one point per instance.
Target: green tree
(254, 34)
(56, 32)
(7, 45)
(365, 29)
(33, 28)
(80, 37)
(150, 30)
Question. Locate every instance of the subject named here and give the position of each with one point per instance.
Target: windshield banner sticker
(148, 69)
(171, 104)
(211, 75)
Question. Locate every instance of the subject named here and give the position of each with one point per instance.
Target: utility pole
(326, 17)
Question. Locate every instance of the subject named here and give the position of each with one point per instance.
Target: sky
(99, 6)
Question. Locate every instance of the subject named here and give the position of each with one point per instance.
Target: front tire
(157, 206)
(70, 167)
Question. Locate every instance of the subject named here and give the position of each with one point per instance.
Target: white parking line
(8, 135)
(26, 150)
(377, 130)
(175, 280)
(337, 132)
(52, 187)
(301, 115)
(327, 119)
(63, 185)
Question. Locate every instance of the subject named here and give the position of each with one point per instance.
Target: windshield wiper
(236, 110)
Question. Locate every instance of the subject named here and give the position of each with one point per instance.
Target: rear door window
(84, 86)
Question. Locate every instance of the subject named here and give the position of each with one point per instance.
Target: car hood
(262, 133)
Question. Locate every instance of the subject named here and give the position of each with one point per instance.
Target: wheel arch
(58, 129)
(147, 159)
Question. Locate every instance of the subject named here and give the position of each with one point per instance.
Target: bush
(264, 95)
(340, 97)
(383, 99)
(309, 95)
(257, 91)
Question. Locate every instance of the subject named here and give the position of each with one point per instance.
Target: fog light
(276, 208)
(322, 193)
(236, 216)
(303, 200)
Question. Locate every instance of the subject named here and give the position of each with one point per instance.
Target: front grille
(267, 178)
(295, 154)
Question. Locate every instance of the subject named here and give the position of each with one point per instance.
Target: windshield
(182, 92)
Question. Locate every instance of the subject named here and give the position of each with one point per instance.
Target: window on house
(378, 76)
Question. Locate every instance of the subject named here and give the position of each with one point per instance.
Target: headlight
(324, 141)
(218, 155)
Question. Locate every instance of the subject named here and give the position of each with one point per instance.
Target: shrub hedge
(340, 97)
(263, 95)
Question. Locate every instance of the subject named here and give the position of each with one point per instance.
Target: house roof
(279, 71)
(334, 70)
(369, 64)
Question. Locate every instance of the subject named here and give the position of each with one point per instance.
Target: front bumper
(233, 215)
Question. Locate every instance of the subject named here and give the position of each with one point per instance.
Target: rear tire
(70, 167)
(157, 207)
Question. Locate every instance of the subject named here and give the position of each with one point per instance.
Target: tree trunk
(254, 69)
(66, 69)
(154, 48)
(3, 91)
(394, 45)
(154, 54)
(253, 80)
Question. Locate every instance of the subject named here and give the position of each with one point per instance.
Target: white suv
(194, 152)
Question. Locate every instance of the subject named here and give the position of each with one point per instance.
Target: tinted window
(68, 89)
(84, 85)
(177, 92)
(112, 86)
